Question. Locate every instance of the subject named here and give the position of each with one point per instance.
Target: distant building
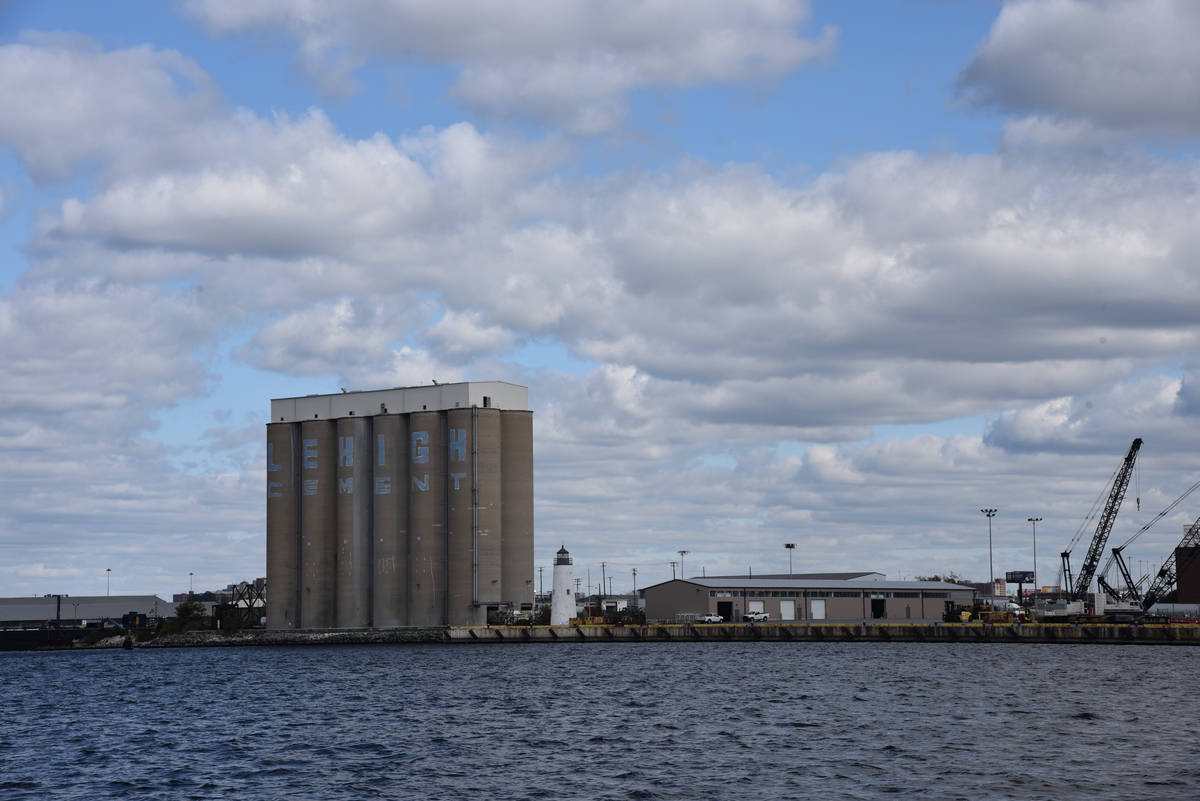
(1187, 579)
(79, 609)
(804, 599)
(607, 604)
(865, 575)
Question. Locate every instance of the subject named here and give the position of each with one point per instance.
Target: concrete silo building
(410, 506)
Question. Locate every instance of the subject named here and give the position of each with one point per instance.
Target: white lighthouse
(562, 601)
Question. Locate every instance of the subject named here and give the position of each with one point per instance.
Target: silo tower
(562, 602)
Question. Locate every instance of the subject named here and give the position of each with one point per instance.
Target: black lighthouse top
(564, 557)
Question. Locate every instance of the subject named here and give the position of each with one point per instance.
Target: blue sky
(837, 274)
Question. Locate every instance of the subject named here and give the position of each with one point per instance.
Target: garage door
(787, 610)
(818, 608)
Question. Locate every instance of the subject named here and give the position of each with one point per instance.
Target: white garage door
(754, 606)
(787, 610)
(818, 608)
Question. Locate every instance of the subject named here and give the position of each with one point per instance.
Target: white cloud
(1085, 70)
(40, 571)
(727, 310)
(65, 100)
(570, 64)
(463, 336)
(901, 289)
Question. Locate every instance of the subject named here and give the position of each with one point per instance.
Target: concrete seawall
(1115, 635)
(770, 632)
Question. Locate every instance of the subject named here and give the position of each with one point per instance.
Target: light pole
(681, 555)
(108, 584)
(991, 570)
(190, 591)
(791, 546)
(1035, 521)
(541, 586)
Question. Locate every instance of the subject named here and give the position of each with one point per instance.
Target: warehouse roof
(815, 584)
(862, 575)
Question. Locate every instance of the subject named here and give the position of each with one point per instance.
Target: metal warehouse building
(410, 506)
(821, 597)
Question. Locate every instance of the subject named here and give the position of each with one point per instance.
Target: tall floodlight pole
(108, 585)
(541, 586)
(991, 570)
(1035, 521)
(681, 555)
(190, 583)
(791, 546)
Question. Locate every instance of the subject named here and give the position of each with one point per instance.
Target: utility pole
(635, 595)
(1035, 521)
(791, 546)
(672, 564)
(681, 555)
(541, 586)
(602, 566)
(991, 570)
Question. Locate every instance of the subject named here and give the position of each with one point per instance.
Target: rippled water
(597, 721)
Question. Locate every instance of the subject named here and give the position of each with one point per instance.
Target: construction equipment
(1166, 578)
(1077, 587)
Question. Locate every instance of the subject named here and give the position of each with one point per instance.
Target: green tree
(189, 616)
(949, 578)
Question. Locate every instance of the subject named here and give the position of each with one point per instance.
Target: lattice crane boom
(1166, 578)
(1087, 571)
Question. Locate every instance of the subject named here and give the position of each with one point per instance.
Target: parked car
(756, 617)
(711, 619)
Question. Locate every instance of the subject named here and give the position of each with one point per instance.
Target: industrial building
(1188, 579)
(410, 506)
(80, 610)
(819, 597)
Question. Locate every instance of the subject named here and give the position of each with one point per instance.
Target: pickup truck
(710, 618)
(756, 617)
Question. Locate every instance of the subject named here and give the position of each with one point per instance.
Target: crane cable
(1091, 515)
(1153, 520)
(1137, 477)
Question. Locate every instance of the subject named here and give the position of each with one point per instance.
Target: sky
(838, 274)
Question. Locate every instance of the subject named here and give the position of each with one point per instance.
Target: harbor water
(765, 720)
